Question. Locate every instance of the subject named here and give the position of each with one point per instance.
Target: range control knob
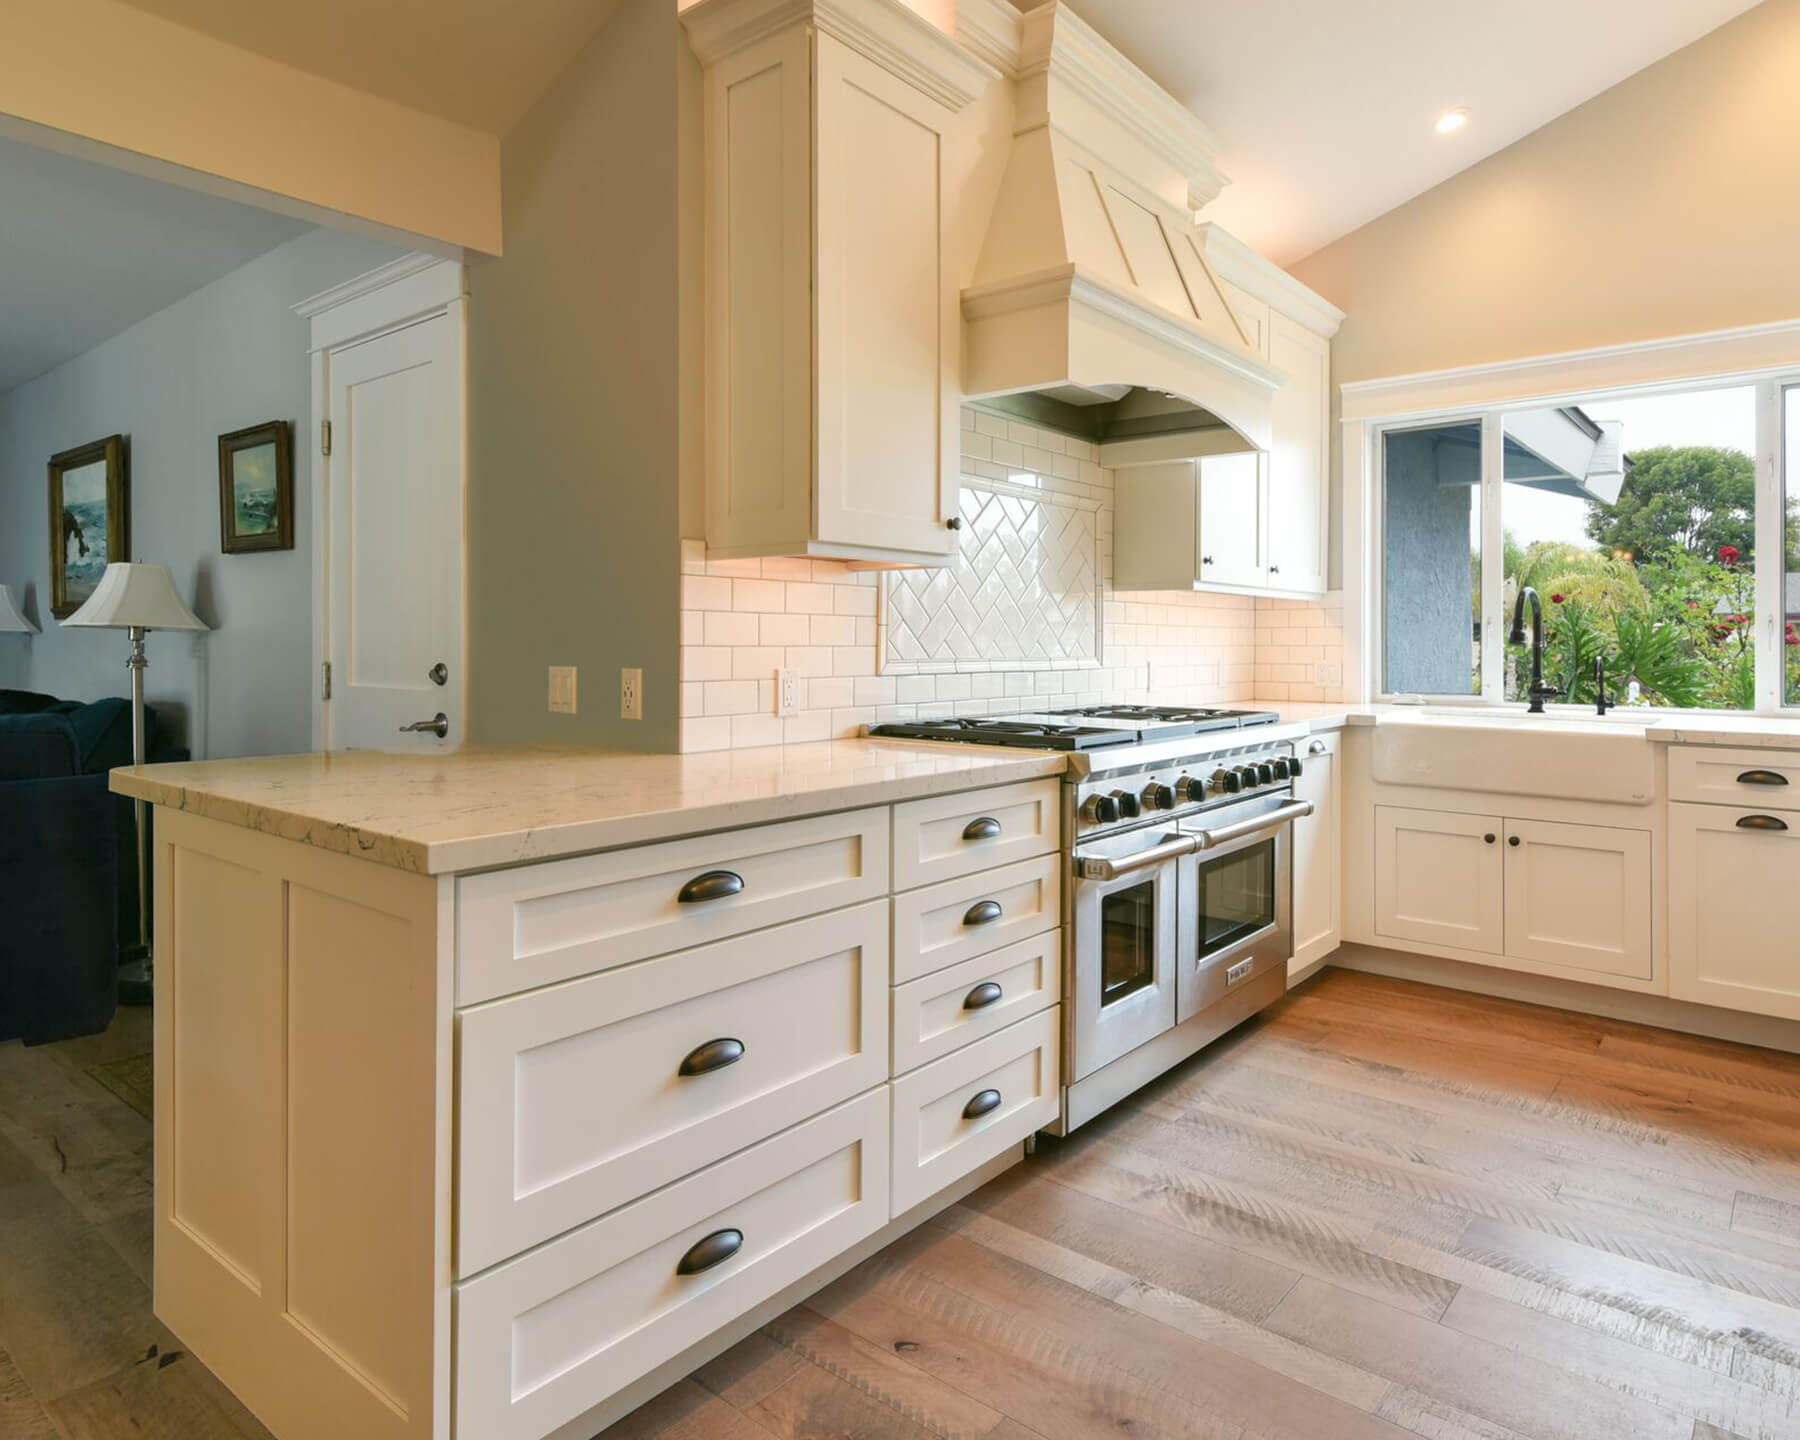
(1265, 773)
(1247, 776)
(1230, 781)
(1099, 810)
(1127, 803)
(1281, 769)
(1158, 797)
(1294, 768)
(1190, 790)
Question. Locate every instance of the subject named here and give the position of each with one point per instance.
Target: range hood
(1093, 310)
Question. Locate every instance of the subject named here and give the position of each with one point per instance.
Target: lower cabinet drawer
(580, 1097)
(947, 1009)
(957, 920)
(544, 1338)
(965, 1109)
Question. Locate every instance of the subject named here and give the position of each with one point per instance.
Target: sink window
(1790, 559)
(1634, 518)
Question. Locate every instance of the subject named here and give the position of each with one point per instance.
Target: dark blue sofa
(68, 861)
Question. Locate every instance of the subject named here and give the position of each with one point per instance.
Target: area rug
(131, 1079)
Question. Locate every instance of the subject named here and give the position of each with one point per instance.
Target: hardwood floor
(1381, 1210)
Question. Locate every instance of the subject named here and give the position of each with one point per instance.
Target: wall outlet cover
(1328, 672)
(631, 694)
(787, 691)
(562, 689)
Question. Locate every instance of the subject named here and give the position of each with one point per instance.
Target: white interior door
(394, 563)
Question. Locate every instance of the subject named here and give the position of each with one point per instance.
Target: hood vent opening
(1093, 310)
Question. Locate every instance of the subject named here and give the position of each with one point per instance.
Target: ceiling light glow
(1453, 120)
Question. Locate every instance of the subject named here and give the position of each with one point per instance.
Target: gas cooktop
(1091, 727)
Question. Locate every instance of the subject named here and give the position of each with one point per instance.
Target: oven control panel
(1182, 787)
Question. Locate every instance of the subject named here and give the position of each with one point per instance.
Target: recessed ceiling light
(1453, 120)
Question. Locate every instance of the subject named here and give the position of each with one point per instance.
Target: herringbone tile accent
(1025, 589)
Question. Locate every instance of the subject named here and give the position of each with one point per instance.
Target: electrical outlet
(1328, 672)
(631, 694)
(787, 692)
(562, 689)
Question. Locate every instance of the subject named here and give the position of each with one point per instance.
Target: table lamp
(12, 618)
(138, 599)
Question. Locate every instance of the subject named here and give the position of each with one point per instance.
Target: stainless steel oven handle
(1099, 869)
(1274, 820)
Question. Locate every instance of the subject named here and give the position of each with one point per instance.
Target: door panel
(1439, 878)
(1297, 462)
(1231, 520)
(1734, 909)
(394, 562)
(1579, 895)
(1316, 879)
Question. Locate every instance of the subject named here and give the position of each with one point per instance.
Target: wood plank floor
(1381, 1210)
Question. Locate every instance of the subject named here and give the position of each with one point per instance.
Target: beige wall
(1667, 205)
(114, 83)
(573, 411)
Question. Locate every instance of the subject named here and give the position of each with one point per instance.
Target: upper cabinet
(833, 333)
(1261, 518)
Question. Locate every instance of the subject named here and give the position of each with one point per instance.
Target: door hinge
(327, 690)
(324, 437)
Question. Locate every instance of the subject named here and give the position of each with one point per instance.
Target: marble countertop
(1752, 732)
(486, 806)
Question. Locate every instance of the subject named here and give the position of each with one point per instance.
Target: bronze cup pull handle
(981, 1103)
(1760, 822)
(982, 827)
(713, 885)
(713, 1055)
(710, 1250)
(1762, 777)
(983, 912)
(987, 993)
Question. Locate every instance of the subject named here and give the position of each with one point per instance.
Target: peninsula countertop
(485, 806)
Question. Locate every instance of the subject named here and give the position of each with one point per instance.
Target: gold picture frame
(90, 520)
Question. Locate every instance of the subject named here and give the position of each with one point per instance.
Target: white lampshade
(11, 617)
(130, 596)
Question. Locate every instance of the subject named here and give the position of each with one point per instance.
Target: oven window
(1127, 941)
(1237, 897)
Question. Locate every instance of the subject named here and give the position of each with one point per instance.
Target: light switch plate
(562, 689)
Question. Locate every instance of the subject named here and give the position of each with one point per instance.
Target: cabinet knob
(953, 523)
(1488, 838)
(1274, 569)
(1512, 840)
(1206, 560)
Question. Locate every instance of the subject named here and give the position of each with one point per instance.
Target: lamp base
(136, 978)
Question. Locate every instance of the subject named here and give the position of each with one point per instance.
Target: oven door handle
(1102, 869)
(1274, 820)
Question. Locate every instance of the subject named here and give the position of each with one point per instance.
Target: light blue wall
(229, 355)
(1429, 604)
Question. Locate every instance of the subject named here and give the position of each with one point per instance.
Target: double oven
(1179, 924)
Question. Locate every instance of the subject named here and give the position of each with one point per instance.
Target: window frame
(1364, 472)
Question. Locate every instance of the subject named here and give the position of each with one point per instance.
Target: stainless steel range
(1177, 915)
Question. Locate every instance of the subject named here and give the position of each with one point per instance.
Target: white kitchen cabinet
(1578, 896)
(833, 375)
(1259, 519)
(1439, 878)
(1734, 907)
(1318, 901)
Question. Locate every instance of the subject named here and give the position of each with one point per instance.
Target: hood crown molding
(991, 30)
(891, 34)
(1060, 50)
(1236, 263)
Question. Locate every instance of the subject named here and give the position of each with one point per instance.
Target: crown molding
(990, 29)
(379, 279)
(891, 34)
(1234, 261)
(1057, 43)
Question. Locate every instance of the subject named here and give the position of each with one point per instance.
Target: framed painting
(256, 489)
(90, 520)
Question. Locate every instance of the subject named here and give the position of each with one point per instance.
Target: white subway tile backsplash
(741, 619)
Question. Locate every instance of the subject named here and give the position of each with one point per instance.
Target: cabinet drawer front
(937, 1136)
(951, 835)
(545, 1337)
(1759, 779)
(955, 921)
(536, 924)
(945, 1011)
(574, 1100)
